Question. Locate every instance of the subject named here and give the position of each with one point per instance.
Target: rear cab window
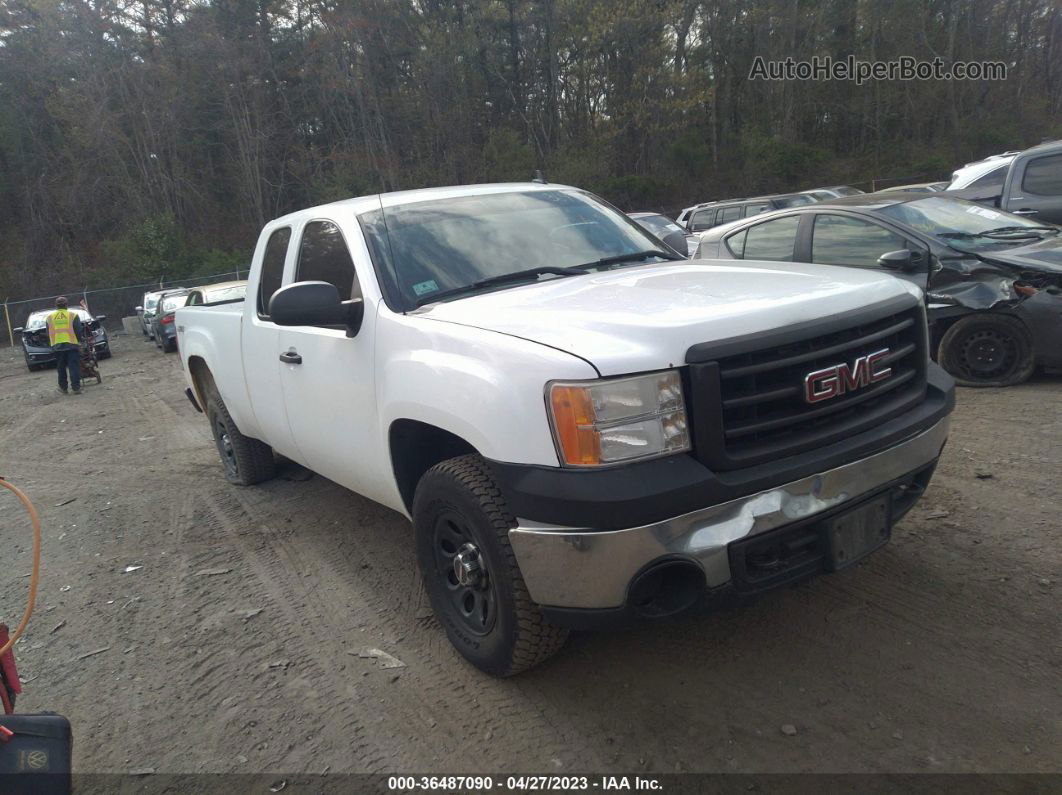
(272, 273)
(324, 257)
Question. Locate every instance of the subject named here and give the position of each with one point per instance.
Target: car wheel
(473, 581)
(987, 349)
(246, 461)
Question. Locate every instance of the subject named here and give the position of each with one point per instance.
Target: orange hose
(35, 519)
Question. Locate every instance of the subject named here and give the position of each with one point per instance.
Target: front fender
(482, 386)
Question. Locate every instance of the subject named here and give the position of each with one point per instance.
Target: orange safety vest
(61, 328)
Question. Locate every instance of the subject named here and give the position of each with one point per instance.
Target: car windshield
(171, 302)
(957, 219)
(431, 247)
(234, 293)
(659, 225)
(151, 302)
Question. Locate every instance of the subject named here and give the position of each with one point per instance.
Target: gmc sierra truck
(584, 428)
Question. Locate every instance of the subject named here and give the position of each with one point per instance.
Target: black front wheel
(470, 571)
(987, 349)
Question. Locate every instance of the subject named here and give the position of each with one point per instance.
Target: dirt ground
(237, 644)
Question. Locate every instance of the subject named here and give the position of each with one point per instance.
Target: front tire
(470, 571)
(987, 349)
(246, 461)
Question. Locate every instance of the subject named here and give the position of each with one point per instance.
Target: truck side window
(756, 209)
(323, 257)
(840, 240)
(1043, 176)
(272, 268)
(772, 240)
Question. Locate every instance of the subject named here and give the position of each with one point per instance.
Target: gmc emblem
(840, 378)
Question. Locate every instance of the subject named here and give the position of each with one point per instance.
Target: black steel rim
(225, 449)
(989, 354)
(473, 602)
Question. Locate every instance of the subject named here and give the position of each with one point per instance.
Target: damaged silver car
(993, 280)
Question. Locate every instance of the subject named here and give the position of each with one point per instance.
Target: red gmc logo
(840, 378)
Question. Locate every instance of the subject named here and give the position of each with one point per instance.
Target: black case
(37, 759)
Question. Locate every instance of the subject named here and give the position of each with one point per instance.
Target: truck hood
(646, 317)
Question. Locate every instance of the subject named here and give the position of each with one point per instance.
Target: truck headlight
(619, 419)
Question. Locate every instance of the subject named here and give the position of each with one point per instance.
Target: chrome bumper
(583, 568)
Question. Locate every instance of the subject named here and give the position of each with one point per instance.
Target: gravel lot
(238, 645)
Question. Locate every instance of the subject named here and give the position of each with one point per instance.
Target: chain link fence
(114, 302)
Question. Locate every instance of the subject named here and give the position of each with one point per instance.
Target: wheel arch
(415, 447)
(202, 378)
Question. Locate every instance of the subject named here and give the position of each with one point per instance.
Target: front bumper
(587, 569)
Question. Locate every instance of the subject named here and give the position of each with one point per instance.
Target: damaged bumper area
(588, 578)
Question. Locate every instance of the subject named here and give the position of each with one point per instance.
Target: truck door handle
(290, 357)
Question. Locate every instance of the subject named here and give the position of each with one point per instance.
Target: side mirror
(138, 309)
(902, 260)
(100, 318)
(677, 241)
(315, 304)
(17, 330)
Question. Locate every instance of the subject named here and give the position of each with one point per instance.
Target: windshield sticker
(423, 288)
(983, 212)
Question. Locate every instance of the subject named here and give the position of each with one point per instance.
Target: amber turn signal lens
(573, 415)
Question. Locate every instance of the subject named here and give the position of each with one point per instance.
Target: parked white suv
(584, 428)
(991, 171)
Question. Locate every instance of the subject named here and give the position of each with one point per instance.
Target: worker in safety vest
(64, 335)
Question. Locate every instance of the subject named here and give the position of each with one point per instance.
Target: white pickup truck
(583, 428)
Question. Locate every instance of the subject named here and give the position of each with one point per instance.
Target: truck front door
(327, 377)
(1034, 188)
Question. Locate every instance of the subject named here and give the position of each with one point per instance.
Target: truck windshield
(974, 225)
(439, 246)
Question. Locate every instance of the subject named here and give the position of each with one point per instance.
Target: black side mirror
(902, 260)
(676, 240)
(315, 304)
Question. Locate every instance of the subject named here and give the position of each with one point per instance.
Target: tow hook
(467, 566)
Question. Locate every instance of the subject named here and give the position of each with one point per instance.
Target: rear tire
(987, 349)
(458, 510)
(246, 461)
